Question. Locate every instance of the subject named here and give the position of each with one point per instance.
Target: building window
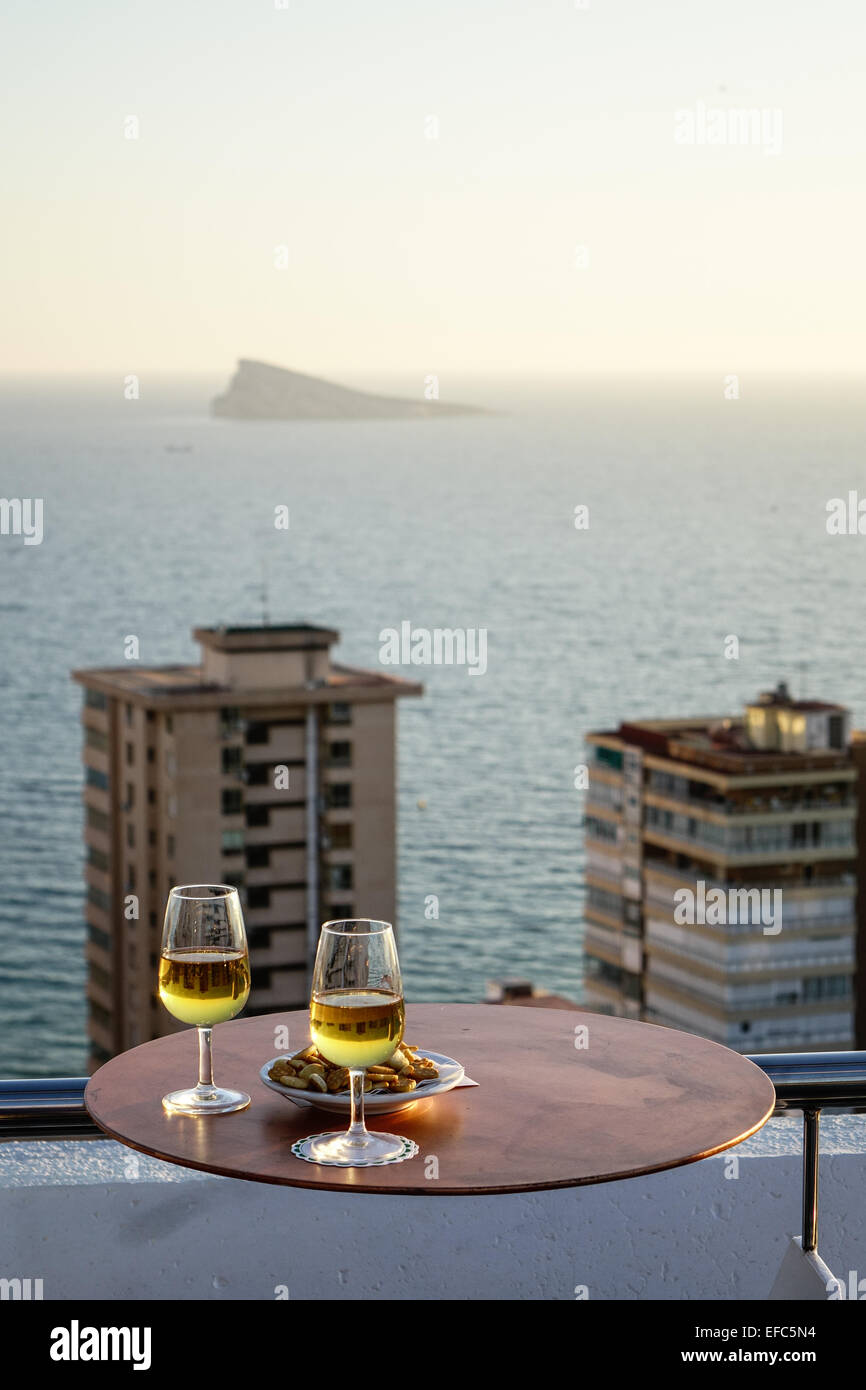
(99, 1014)
(232, 802)
(230, 722)
(169, 724)
(95, 738)
(340, 877)
(341, 912)
(258, 775)
(339, 795)
(130, 796)
(99, 977)
(826, 987)
(258, 897)
(98, 898)
(130, 754)
(340, 754)
(130, 835)
(128, 713)
(340, 836)
(94, 778)
(150, 716)
(130, 877)
(152, 919)
(97, 820)
(609, 757)
(258, 857)
(339, 714)
(151, 796)
(232, 841)
(601, 901)
(151, 755)
(258, 815)
(151, 838)
(169, 846)
(98, 937)
(257, 733)
(94, 699)
(97, 858)
(232, 761)
(151, 878)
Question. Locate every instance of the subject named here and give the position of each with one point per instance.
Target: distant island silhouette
(259, 391)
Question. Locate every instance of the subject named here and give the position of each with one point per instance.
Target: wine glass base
(213, 1101)
(335, 1151)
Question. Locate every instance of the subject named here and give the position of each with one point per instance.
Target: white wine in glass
(204, 978)
(356, 1021)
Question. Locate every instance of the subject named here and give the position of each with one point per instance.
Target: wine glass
(204, 978)
(356, 1021)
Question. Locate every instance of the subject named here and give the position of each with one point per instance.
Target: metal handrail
(45, 1108)
(812, 1082)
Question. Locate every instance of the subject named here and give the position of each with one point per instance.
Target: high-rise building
(721, 875)
(265, 766)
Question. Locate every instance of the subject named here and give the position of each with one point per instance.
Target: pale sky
(307, 128)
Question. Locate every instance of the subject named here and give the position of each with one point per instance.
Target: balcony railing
(778, 807)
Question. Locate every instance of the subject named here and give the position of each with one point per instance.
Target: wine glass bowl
(204, 979)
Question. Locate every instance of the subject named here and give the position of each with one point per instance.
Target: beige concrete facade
(265, 766)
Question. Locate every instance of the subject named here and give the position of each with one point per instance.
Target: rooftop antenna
(265, 616)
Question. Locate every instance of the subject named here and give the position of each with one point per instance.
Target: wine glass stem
(357, 1131)
(205, 1060)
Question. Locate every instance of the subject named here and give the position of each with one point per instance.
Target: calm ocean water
(707, 518)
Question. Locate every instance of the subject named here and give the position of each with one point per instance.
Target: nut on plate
(308, 1070)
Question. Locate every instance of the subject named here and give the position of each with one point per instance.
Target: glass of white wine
(204, 978)
(356, 1021)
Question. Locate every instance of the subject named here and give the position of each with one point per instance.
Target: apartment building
(721, 875)
(266, 766)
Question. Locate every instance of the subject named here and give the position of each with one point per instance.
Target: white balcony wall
(94, 1220)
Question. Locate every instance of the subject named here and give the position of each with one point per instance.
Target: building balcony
(765, 955)
(659, 869)
(774, 1018)
(285, 825)
(285, 744)
(286, 905)
(287, 948)
(285, 866)
(722, 852)
(266, 794)
(774, 811)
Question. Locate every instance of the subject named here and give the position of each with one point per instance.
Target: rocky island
(258, 391)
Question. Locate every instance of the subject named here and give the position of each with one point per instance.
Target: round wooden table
(546, 1113)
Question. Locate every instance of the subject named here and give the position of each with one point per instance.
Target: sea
(631, 547)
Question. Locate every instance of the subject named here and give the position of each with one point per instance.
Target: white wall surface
(95, 1220)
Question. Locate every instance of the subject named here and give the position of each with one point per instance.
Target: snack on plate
(309, 1071)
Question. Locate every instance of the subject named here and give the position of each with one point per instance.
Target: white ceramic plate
(375, 1102)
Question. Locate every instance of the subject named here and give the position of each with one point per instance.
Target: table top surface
(554, 1107)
